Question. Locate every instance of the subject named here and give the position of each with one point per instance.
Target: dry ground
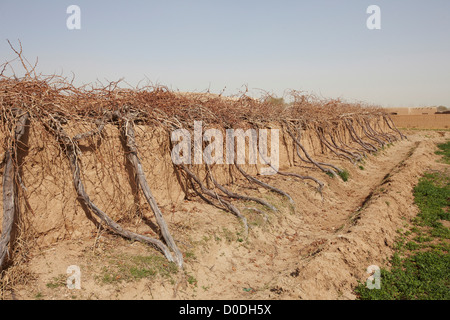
(318, 252)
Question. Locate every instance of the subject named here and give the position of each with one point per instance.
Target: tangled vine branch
(345, 131)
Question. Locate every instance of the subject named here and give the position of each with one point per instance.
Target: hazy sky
(321, 46)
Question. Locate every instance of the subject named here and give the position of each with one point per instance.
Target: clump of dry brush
(50, 104)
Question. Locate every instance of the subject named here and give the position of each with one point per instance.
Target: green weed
(420, 267)
(131, 268)
(444, 150)
(57, 282)
(344, 174)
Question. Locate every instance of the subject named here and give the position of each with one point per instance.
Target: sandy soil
(318, 252)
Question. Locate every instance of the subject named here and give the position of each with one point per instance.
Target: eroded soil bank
(318, 252)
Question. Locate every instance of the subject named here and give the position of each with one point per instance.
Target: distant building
(411, 111)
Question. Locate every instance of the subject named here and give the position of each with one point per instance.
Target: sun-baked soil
(318, 252)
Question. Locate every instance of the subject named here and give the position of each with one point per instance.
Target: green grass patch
(420, 266)
(39, 296)
(57, 282)
(128, 268)
(191, 280)
(344, 174)
(432, 195)
(444, 150)
(422, 276)
(330, 174)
